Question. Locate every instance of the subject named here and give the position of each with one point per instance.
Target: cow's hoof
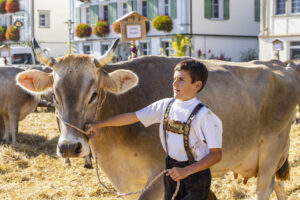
(4, 141)
(88, 166)
(67, 161)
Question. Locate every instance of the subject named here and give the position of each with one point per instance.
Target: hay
(31, 170)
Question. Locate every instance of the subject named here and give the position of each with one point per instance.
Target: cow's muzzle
(70, 150)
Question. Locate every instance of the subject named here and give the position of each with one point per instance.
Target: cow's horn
(47, 60)
(103, 60)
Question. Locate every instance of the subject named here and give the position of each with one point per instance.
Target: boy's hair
(196, 69)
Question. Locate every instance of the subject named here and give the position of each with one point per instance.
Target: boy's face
(183, 88)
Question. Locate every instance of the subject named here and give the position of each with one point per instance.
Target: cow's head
(76, 81)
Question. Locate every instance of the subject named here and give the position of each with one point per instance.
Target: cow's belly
(249, 167)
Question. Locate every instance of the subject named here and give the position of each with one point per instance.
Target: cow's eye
(94, 95)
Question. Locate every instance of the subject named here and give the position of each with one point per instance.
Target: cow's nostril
(78, 148)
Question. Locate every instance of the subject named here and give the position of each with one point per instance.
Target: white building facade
(44, 20)
(215, 27)
(280, 22)
(50, 28)
(23, 15)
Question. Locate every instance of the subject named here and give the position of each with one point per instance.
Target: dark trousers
(193, 187)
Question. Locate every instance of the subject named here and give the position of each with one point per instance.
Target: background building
(216, 27)
(42, 19)
(280, 21)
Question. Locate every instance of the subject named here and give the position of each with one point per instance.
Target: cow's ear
(119, 81)
(35, 81)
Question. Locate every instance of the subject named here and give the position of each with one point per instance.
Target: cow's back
(13, 98)
(253, 100)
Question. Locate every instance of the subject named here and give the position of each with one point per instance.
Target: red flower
(199, 53)
(83, 31)
(101, 28)
(12, 6)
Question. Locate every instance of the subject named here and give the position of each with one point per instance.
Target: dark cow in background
(15, 103)
(256, 102)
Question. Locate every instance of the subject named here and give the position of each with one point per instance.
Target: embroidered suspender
(187, 128)
(166, 117)
(187, 132)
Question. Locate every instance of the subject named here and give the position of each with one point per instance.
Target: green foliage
(2, 6)
(248, 55)
(101, 28)
(180, 44)
(163, 23)
(83, 30)
(2, 33)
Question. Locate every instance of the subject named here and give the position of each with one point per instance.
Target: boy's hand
(91, 128)
(178, 174)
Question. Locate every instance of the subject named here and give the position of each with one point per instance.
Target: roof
(132, 13)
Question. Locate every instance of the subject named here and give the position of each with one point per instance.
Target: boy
(190, 133)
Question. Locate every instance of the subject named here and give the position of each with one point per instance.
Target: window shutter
(173, 9)
(207, 13)
(152, 9)
(112, 12)
(94, 14)
(78, 21)
(226, 9)
(131, 4)
(257, 10)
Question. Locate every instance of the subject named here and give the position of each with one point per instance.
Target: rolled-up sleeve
(151, 114)
(211, 126)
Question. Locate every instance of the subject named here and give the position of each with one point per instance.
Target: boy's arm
(118, 120)
(214, 156)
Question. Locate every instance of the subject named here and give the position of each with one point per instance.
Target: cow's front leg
(14, 125)
(5, 139)
(88, 162)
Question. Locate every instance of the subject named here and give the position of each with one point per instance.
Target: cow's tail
(284, 172)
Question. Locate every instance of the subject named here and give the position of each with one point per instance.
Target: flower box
(83, 31)
(12, 33)
(101, 28)
(12, 6)
(163, 23)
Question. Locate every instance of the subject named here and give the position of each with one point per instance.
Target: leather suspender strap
(166, 118)
(187, 128)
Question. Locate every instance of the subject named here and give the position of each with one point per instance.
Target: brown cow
(256, 102)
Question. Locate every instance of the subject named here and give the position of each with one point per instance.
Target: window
(280, 7)
(166, 47)
(44, 19)
(87, 15)
(86, 48)
(295, 6)
(105, 12)
(295, 50)
(125, 10)
(215, 8)
(145, 50)
(104, 48)
(144, 8)
(167, 7)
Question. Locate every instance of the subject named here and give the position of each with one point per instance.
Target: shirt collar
(186, 103)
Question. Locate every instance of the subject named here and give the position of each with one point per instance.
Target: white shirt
(206, 126)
